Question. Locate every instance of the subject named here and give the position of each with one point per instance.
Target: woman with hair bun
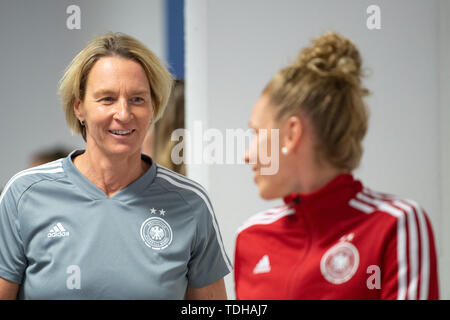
(333, 238)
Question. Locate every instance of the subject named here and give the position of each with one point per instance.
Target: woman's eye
(107, 99)
(137, 100)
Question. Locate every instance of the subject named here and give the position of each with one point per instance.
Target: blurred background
(226, 51)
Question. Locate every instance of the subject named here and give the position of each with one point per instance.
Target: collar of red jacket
(339, 190)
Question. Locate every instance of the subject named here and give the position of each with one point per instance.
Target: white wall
(196, 76)
(36, 48)
(444, 82)
(243, 43)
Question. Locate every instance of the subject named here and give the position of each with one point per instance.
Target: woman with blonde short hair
(107, 222)
(333, 238)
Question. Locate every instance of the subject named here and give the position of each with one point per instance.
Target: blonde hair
(172, 120)
(324, 83)
(73, 83)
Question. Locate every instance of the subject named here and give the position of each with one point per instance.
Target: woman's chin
(267, 194)
(122, 150)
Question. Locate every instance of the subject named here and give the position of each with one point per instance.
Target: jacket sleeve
(409, 264)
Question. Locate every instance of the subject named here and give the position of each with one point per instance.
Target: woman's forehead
(262, 114)
(110, 73)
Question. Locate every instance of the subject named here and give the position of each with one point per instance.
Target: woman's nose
(251, 154)
(123, 112)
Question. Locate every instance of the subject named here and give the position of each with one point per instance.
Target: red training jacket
(343, 241)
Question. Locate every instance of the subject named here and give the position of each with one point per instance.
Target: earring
(284, 150)
(82, 122)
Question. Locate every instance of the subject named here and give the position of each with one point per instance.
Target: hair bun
(346, 65)
(332, 55)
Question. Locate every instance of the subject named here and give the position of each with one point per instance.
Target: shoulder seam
(369, 203)
(175, 191)
(188, 186)
(181, 178)
(33, 184)
(257, 219)
(56, 169)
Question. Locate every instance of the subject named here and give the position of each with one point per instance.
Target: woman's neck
(316, 177)
(110, 174)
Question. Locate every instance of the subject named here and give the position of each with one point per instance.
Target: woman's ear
(293, 131)
(77, 109)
